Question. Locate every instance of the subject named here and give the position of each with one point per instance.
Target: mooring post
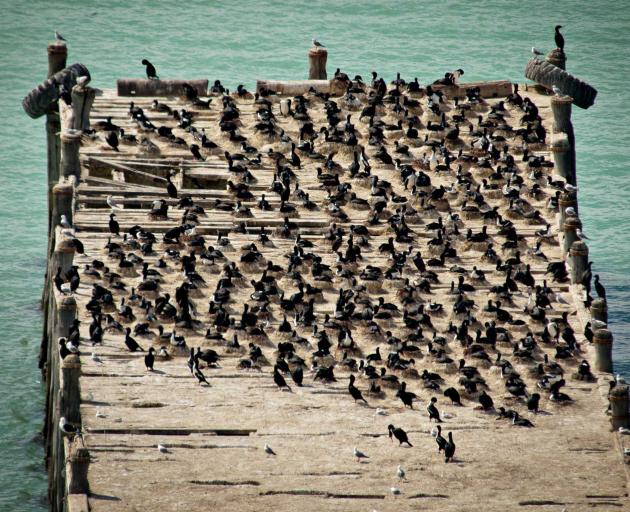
(317, 57)
(558, 58)
(618, 398)
(602, 341)
(63, 256)
(599, 310)
(62, 202)
(563, 142)
(578, 259)
(57, 54)
(77, 463)
(566, 200)
(66, 313)
(570, 227)
(70, 162)
(82, 101)
(70, 392)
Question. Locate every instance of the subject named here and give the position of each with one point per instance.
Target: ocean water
(238, 42)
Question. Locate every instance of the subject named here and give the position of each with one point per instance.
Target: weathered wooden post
(57, 54)
(558, 58)
(77, 463)
(63, 256)
(563, 142)
(570, 227)
(82, 101)
(70, 393)
(62, 202)
(619, 404)
(70, 162)
(566, 200)
(599, 310)
(602, 341)
(66, 313)
(578, 259)
(317, 57)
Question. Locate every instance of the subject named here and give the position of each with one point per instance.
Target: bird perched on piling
(150, 69)
(536, 52)
(559, 38)
(317, 43)
(59, 37)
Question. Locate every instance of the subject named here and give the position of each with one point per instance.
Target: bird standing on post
(559, 38)
(150, 68)
(536, 52)
(58, 36)
(317, 43)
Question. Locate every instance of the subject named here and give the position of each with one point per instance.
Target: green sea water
(241, 41)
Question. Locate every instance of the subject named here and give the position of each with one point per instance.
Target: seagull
(59, 37)
(162, 448)
(380, 412)
(317, 43)
(556, 90)
(570, 188)
(99, 414)
(581, 235)
(359, 455)
(82, 81)
(96, 358)
(536, 52)
(598, 324)
(570, 211)
(395, 491)
(64, 223)
(400, 473)
(268, 450)
(68, 428)
(112, 203)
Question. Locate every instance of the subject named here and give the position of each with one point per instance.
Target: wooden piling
(563, 142)
(63, 255)
(70, 163)
(602, 341)
(619, 403)
(317, 57)
(570, 227)
(566, 200)
(599, 310)
(558, 58)
(578, 258)
(62, 202)
(70, 393)
(82, 101)
(77, 463)
(57, 54)
(66, 313)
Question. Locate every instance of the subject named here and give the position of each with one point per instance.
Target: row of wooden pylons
(68, 460)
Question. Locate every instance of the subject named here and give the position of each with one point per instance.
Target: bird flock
(426, 284)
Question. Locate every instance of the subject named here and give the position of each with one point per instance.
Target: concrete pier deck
(214, 435)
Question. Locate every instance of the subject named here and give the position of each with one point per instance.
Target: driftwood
(144, 87)
(37, 102)
(548, 75)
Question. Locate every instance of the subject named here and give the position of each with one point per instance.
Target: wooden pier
(160, 440)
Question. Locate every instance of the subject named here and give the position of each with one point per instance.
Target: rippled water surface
(238, 42)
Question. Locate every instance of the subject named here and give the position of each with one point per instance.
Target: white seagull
(162, 448)
(570, 211)
(556, 90)
(581, 235)
(268, 450)
(64, 223)
(359, 455)
(400, 473)
(536, 52)
(570, 188)
(112, 203)
(96, 358)
(58, 36)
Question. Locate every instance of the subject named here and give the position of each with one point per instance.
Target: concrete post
(599, 310)
(571, 224)
(602, 341)
(70, 162)
(578, 259)
(618, 398)
(317, 57)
